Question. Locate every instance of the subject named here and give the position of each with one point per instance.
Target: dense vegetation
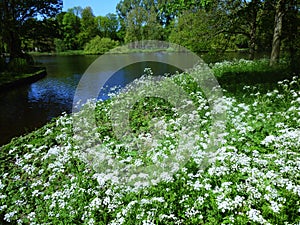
(46, 176)
(200, 25)
(51, 177)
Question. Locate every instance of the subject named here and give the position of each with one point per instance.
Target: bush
(100, 45)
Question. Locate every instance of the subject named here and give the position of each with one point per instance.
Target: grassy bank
(14, 79)
(235, 74)
(51, 176)
(66, 53)
(117, 50)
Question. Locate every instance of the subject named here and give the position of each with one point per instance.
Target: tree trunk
(11, 33)
(293, 30)
(252, 42)
(280, 11)
(253, 27)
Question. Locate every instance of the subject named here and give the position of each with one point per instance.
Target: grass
(235, 74)
(126, 49)
(51, 177)
(12, 78)
(65, 53)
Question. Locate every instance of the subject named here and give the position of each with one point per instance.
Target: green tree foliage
(152, 29)
(200, 25)
(207, 36)
(100, 45)
(134, 24)
(142, 20)
(40, 34)
(15, 13)
(88, 19)
(108, 25)
(88, 26)
(70, 30)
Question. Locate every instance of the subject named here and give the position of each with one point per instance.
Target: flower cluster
(52, 177)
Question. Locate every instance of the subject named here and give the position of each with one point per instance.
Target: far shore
(121, 50)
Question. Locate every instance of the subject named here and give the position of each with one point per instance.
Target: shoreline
(121, 50)
(22, 79)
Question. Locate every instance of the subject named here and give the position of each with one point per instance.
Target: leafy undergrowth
(249, 72)
(53, 177)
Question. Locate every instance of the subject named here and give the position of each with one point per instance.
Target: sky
(100, 7)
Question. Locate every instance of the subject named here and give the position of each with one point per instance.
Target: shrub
(100, 45)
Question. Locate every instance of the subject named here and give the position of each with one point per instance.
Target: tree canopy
(201, 25)
(14, 15)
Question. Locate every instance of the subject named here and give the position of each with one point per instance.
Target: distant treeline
(200, 25)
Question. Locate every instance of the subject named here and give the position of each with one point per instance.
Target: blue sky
(100, 7)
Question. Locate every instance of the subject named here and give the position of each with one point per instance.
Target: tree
(40, 34)
(280, 12)
(141, 20)
(242, 17)
(70, 30)
(14, 14)
(124, 7)
(197, 31)
(153, 30)
(286, 13)
(134, 25)
(108, 26)
(88, 27)
(291, 33)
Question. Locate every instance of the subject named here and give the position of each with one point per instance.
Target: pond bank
(8, 81)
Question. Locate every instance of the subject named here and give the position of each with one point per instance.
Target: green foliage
(17, 65)
(44, 177)
(60, 45)
(197, 40)
(145, 110)
(100, 45)
(14, 20)
(71, 28)
(233, 74)
(88, 24)
(108, 25)
(239, 66)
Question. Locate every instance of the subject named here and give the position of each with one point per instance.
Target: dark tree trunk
(252, 42)
(10, 33)
(253, 27)
(280, 12)
(292, 33)
(14, 46)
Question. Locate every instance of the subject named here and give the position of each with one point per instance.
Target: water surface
(29, 107)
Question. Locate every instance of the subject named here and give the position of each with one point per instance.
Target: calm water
(26, 108)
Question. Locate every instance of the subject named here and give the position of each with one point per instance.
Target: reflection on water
(129, 73)
(26, 108)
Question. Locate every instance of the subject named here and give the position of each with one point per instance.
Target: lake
(29, 107)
